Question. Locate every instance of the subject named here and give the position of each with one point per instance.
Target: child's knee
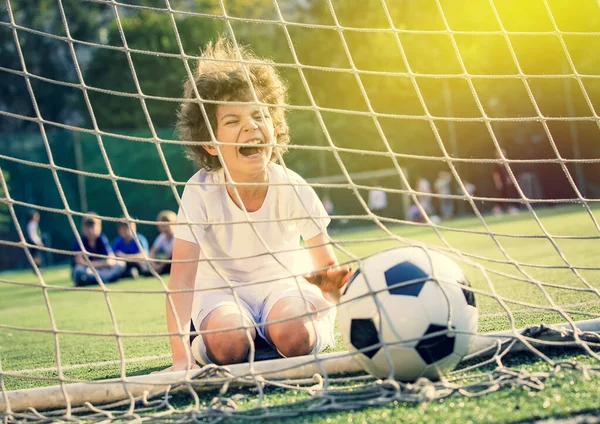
(293, 338)
(229, 347)
(295, 335)
(227, 336)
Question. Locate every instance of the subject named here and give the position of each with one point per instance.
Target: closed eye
(259, 117)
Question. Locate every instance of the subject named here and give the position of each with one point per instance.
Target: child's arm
(155, 247)
(183, 277)
(153, 251)
(331, 280)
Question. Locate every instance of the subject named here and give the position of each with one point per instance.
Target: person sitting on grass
(97, 249)
(240, 222)
(126, 247)
(162, 248)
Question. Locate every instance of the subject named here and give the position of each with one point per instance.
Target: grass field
(528, 273)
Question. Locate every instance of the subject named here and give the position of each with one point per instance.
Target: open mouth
(251, 150)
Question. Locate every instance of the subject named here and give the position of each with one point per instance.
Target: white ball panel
(435, 303)
(464, 316)
(445, 267)
(407, 364)
(358, 303)
(368, 364)
(369, 281)
(461, 344)
(403, 318)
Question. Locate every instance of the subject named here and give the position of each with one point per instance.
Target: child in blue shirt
(97, 249)
(126, 247)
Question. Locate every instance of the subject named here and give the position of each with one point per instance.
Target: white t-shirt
(226, 236)
(442, 185)
(377, 199)
(33, 232)
(163, 244)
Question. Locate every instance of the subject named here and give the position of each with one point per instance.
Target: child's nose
(251, 125)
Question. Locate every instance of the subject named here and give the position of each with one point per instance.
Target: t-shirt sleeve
(116, 245)
(157, 242)
(312, 216)
(143, 242)
(76, 247)
(191, 219)
(106, 244)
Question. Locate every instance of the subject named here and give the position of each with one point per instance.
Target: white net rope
(512, 288)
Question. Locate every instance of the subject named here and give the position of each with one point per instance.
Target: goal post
(296, 370)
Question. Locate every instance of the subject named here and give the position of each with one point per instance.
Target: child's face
(124, 232)
(165, 229)
(244, 124)
(92, 232)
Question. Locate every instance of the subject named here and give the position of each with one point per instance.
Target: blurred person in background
(125, 247)
(423, 187)
(162, 248)
(95, 243)
(443, 188)
(33, 235)
(377, 200)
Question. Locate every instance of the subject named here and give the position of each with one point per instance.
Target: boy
(243, 237)
(95, 243)
(125, 247)
(162, 248)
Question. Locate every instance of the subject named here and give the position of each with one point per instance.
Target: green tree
(44, 57)
(151, 32)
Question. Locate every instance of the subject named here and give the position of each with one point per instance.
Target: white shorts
(256, 302)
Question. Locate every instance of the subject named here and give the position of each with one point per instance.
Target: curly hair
(220, 77)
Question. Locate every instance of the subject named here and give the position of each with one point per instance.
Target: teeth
(250, 150)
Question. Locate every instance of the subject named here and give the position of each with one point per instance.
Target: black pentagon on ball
(364, 334)
(433, 349)
(469, 295)
(403, 272)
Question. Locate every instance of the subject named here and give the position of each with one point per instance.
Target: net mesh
(385, 98)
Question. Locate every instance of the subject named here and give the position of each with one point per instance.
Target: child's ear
(212, 150)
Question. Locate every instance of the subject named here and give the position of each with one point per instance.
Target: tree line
(338, 56)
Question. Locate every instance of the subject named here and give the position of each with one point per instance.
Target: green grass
(86, 330)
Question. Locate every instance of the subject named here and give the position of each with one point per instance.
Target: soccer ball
(394, 301)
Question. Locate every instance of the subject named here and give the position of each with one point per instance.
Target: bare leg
(229, 344)
(296, 335)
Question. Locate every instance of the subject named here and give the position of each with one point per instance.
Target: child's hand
(331, 280)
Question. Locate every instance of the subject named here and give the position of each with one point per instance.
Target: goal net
(468, 132)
